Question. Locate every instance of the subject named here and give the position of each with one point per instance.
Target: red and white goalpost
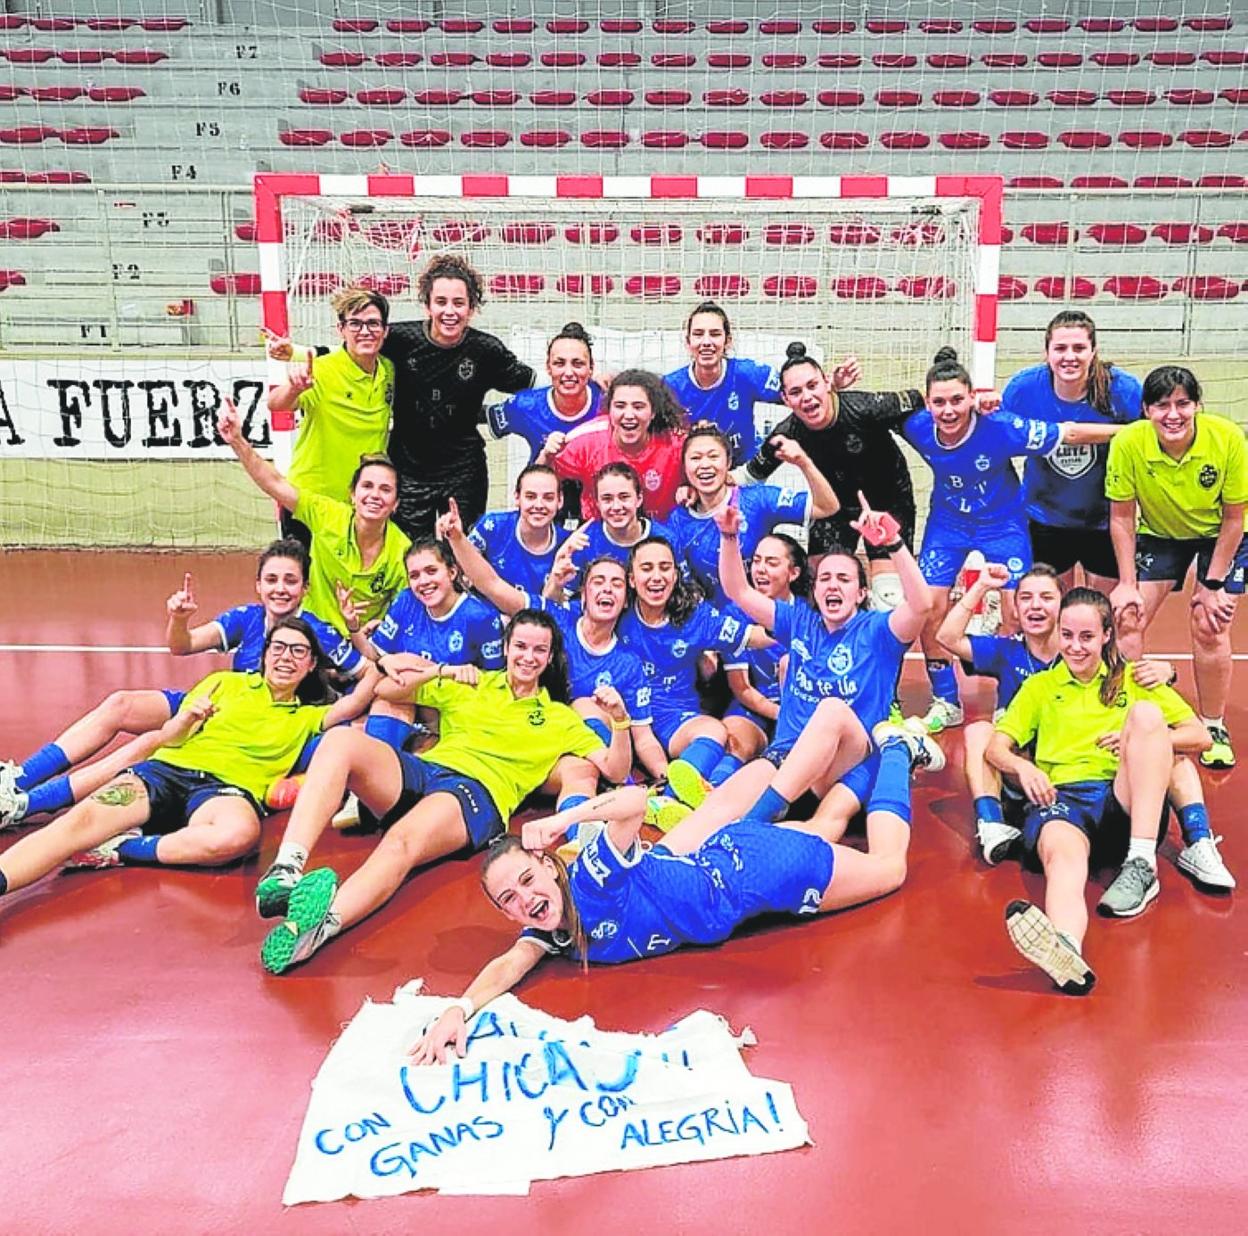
(888, 267)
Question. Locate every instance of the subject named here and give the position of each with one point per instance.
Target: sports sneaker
(689, 785)
(1204, 864)
(942, 715)
(996, 839)
(348, 815)
(281, 795)
(1133, 888)
(273, 891)
(1043, 945)
(12, 800)
(925, 752)
(665, 813)
(308, 924)
(1221, 754)
(585, 832)
(101, 856)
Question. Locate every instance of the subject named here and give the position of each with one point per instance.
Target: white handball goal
(886, 268)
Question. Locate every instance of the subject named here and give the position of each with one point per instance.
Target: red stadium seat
(365, 138)
(668, 98)
(1048, 233)
(1072, 98)
(54, 25)
(87, 135)
(27, 134)
(562, 59)
(487, 139)
(557, 25)
(553, 98)
(927, 287)
(1171, 59)
(527, 233)
(854, 234)
(728, 60)
(956, 98)
(139, 55)
(516, 286)
(1102, 25)
(1190, 97)
(860, 287)
(58, 177)
(1059, 60)
(1047, 25)
(496, 98)
(621, 25)
(1145, 139)
(1098, 182)
(397, 59)
(721, 287)
(9, 92)
(460, 231)
(619, 60)
(1034, 182)
(1131, 98)
(940, 26)
(916, 233)
(31, 55)
(948, 60)
(520, 25)
(1223, 182)
(1117, 233)
(1207, 287)
(318, 283)
(462, 25)
(905, 139)
(841, 98)
(305, 137)
(884, 26)
(1153, 25)
(1135, 287)
(726, 98)
(840, 140)
(665, 139)
(437, 98)
(1236, 233)
(610, 98)
(779, 27)
(989, 25)
(56, 94)
(651, 287)
(354, 25)
(546, 139)
(381, 96)
(508, 60)
(1208, 23)
(839, 60)
(1053, 287)
(425, 139)
(784, 139)
(790, 287)
(591, 233)
(235, 285)
(724, 234)
(673, 26)
(1207, 139)
(965, 140)
(1162, 182)
(655, 234)
(673, 60)
(11, 279)
(1003, 60)
(1183, 233)
(894, 60)
(1115, 59)
(784, 60)
(1010, 287)
(408, 25)
(393, 234)
(1085, 139)
(898, 98)
(26, 228)
(787, 234)
(726, 27)
(1235, 95)
(452, 60)
(725, 139)
(1014, 98)
(246, 232)
(605, 139)
(321, 96)
(1024, 139)
(784, 98)
(1223, 59)
(115, 94)
(342, 59)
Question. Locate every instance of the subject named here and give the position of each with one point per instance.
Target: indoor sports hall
(876, 181)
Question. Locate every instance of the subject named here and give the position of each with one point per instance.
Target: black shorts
(1158, 558)
(835, 531)
(422, 501)
(1062, 548)
(175, 794)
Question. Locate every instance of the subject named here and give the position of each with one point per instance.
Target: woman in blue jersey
(1064, 491)
(48, 780)
(521, 544)
(544, 412)
(762, 507)
(976, 500)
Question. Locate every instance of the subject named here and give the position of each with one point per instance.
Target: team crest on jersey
(605, 930)
(652, 480)
(603, 679)
(467, 368)
(1014, 564)
(734, 402)
(983, 463)
(493, 649)
(377, 585)
(680, 649)
(390, 392)
(853, 444)
(1072, 461)
(1208, 476)
(537, 718)
(841, 660)
(456, 642)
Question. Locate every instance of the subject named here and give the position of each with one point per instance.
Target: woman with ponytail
(1104, 753)
(1064, 492)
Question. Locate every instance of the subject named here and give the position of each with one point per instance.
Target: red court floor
(156, 1078)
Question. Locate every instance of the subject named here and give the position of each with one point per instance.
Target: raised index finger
(864, 504)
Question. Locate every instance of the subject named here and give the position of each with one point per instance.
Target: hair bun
(795, 350)
(574, 330)
(945, 355)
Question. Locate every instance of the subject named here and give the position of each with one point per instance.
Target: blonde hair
(353, 299)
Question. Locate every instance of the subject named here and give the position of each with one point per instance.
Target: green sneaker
(1133, 888)
(1035, 937)
(665, 813)
(689, 785)
(308, 925)
(943, 715)
(1221, 754)
(273, 891)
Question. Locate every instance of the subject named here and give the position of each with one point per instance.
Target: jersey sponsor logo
(983, 463)
(652, 480)
(841, 660)
(1037, 431)
(1072, 461)
(605, 930)
(456, 642)
(787, 497)
(1208, 476)
(643, 697)
(389, 628)
(467, 368)
(730, 628)
(773, 381)
(493, 649)
(810, 901)
(657, 942)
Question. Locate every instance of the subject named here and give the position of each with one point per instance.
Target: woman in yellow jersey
(344, 399)
(357, 552)
(1178, 484)
(503, 734)
(1105, 748)
(200, 786)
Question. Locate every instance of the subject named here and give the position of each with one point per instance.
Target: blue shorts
(423, 777)
(174, 700)
(667, 721)
(1090, 806)
(945, 550)
(1158, 558)
(765, 724)
(175, 794)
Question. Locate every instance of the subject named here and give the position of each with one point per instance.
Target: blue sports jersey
(696, 538)
(471, 634)
(975, 487)
(669, 653)
(858, 663)
(530, 414)
(496, 535)
(763, 667)
(602, 546)
(1066, 489)
(587, 670)
(243, 631)
(648, 902)
(730, 402)
(1007, 659)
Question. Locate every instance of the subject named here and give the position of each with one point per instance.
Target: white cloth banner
(533, 1098)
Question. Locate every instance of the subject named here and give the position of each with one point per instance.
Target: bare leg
(697, 727)
(835, 812)
(1064, 851)
(571, 776)
(122, 712)
(859, 877)
(224, 829)
(1211, 651)
(1130, 634)
(745, 739)
(1145, 767)
(982, 779)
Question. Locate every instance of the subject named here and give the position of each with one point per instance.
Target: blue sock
(1194, 823)
(703, 754)
(600, 727)
(770, 807)
(306, 754)
(4, 884)
(139, 850)
(47, 762)
(566, 804)
(891, 791)
(944, 680)
(54, 795)
(724, 769)
(393, 731)
(988, 807)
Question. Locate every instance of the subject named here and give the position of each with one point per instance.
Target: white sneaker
(942, 715)
(101, 856)
(996, 839)
(348, 815)
(925, 752)
(1204, 864)
(12, 800)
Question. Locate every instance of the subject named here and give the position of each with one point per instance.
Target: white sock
(1207, 722)
(1145, 848)
(291, 855)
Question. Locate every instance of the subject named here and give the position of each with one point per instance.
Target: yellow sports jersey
(251, 740)
(1065, 718)
(510, 745)
(1181, 499)
(336, 560)
(346, 414)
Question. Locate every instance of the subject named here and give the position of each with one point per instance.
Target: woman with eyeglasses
(194, 798)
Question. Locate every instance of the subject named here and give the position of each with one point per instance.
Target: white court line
(160, 648)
